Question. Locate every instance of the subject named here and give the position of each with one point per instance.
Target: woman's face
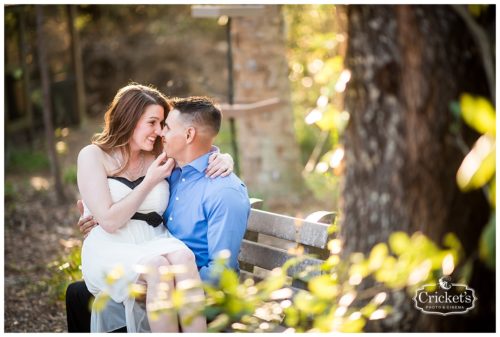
(148, 128)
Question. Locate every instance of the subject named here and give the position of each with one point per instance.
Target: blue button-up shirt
(208, 215)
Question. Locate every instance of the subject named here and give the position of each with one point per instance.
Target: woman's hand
(219, 165)
(159, 169)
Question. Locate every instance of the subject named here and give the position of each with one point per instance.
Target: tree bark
(26, 72)
(47, 105)
(76, 58)
(408, 63)
(270, 159)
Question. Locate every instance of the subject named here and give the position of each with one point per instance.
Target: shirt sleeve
(227, 216)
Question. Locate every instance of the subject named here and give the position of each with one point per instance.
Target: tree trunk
(408, 63)
(76, 59)
(47, 105)
(26, 73)
(270, 160)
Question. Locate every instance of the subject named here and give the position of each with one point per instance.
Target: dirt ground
(37, 231)
(35, 226)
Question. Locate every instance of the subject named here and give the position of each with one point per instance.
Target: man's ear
(190, 134)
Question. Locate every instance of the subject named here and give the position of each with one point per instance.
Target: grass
(26, 161)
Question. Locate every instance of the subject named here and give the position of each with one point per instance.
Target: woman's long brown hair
(122, 117)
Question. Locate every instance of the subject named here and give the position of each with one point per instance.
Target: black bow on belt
(153, 219)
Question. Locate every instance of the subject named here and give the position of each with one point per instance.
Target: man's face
(174, 135)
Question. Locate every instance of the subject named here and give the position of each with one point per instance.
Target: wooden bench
(271, 236)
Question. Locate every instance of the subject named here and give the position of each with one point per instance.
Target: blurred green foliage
(316, 45)
(315, 64)
(67, 269)
(69, 176)
(322, 185)
(479, 165)
(342, 294)
(10, 192)
(26, 161)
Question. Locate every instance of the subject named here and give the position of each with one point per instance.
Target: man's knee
(77, 292)
(77, 307)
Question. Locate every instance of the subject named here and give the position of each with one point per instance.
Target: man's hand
(86, 224)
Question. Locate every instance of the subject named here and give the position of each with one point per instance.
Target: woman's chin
(148, 148)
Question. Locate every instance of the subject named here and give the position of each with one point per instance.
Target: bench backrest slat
(293, 229)
(269, 258)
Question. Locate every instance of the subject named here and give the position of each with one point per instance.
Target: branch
(235, 110)
(479, 35)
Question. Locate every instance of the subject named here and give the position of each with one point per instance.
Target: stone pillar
(269, 153)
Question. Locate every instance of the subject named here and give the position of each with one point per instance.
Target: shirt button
(176, 198)
(170, 218)
(183, 179)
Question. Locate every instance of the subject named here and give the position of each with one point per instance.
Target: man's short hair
(200, 111)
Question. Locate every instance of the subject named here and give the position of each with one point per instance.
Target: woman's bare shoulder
(91, 152)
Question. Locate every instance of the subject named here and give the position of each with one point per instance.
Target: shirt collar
(200, 163)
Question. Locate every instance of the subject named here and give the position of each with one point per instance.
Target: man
(208, 215)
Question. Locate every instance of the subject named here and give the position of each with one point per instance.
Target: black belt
(153, 219)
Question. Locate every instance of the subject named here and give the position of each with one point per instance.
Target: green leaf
(219, 323)
(292, 316)
(377, 256)
(327, 121)
(487, 244)
(479, 166)
(229, 280)
(353, 325)
(306, 302)
(476, 10)
(399, 242)
(324, 287)
(451, 241)
(455, 109)
(492, 193)
(478, 113)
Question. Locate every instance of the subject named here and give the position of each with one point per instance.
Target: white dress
(124, 250)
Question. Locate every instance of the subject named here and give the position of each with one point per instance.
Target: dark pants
(78, 308)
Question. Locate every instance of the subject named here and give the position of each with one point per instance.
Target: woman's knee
(182, 256)
(156, 262)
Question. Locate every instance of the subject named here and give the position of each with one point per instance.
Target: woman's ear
(190, 134)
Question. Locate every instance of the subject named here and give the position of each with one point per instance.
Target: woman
(123, 186)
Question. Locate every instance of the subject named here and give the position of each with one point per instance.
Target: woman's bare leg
(159, 321)
(186, 258)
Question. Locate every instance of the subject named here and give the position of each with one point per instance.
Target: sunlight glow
(448, 265)
(322, 167)
(322, 101)
(337, 157)
(340, 311)
(355, 279)
(313, 116)
(307, 82)
(420, 273)
(378, 314)
(39, 183)
(347, 299)
(315, 66)
(344, 77)
(380, 298)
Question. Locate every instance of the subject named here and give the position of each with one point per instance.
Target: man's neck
(192, 154)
